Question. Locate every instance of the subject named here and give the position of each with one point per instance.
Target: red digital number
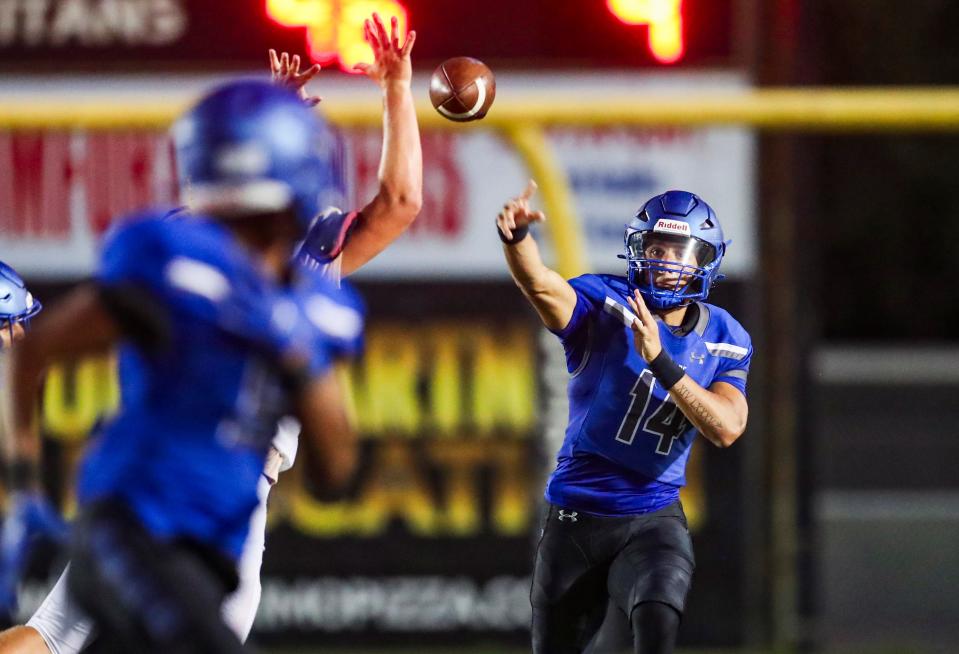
(664, 19)
(335, 27)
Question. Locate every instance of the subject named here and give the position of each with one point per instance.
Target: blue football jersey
(627, 442)
(198, 411)
(334, 307)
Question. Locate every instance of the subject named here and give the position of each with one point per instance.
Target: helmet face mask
(674, 247)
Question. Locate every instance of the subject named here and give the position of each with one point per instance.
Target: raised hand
(286, 72)
(645, 329)
(391, 62)
(517, 213)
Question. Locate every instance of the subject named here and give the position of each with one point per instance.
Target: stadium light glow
(664, 19)
(334, 28)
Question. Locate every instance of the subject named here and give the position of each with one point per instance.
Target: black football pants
(582, 561)
(145, 596)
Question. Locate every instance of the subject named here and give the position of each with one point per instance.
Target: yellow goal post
(523, 121)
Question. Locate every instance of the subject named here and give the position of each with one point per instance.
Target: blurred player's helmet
(674, 247)
(253, 147)
(17, 305)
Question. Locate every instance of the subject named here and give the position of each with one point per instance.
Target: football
(462, 89)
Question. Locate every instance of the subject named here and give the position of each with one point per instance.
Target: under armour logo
(571, 516)
(698, 358)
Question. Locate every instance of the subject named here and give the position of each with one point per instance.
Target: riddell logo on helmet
(672, 227)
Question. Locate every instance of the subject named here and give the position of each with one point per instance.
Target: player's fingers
(529, 190)
(515, 209)
(309, 74)
(509, 216)
(538, 216)
(372, 38)
(408, 46)
(380, 29)
(362, 68)
(637, 299)
(637, 324)
(503, 225)
(394, 33)
(274, 62)
(295, 64)
(643, 310)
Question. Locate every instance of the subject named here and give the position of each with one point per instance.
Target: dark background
(881, 213)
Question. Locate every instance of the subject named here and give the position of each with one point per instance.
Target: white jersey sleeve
(63, 626)
(286, 441)
(239, 608)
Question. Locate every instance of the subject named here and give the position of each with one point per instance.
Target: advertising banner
(60, 191)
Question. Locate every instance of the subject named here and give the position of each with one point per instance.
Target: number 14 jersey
(627, 442)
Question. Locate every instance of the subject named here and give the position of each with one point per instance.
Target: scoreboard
(202, 35)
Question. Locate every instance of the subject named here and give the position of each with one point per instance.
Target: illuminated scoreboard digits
(155, 35)
(664, 18)
(334, 27)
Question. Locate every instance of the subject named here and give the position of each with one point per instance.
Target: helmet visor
(670, 249)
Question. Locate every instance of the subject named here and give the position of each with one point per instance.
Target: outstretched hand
(286, 73)
(391, 61)
(645, 330)
(517, 213)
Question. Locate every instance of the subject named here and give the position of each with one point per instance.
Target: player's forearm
(550, 294)
(400, 194)
(22, 378)
(401, 162)
(331, 442)
(716, 418)
(55, 336)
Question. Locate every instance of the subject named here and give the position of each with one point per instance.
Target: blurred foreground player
(337, 243)
(218, 342)
(651, 364)
(30, 516)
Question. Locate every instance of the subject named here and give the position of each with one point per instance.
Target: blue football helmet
(253, 147)
(17, 305)
(674, 246)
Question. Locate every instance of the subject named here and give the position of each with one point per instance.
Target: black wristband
(21, 475)
(666, 371)
(519, 234)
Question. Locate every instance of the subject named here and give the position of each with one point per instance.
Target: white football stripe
(480, 101)
(198, 278)
(613, 307)
(727, 350)
(335, 319)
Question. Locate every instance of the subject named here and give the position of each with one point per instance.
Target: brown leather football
(462, 89)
